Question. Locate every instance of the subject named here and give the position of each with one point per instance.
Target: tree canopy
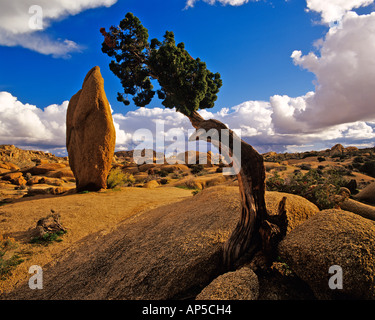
(185, 83)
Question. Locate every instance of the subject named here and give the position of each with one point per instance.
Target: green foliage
(118, 178)
(8, 260)
(316, 186)
(48, 238)
(84, 192)
(282, 267)
(185, 83)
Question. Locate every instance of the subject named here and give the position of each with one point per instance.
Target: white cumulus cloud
(190, 3)
(334, 10)
(24, 124)
(27, 124)
(345, 75)
(15, 21)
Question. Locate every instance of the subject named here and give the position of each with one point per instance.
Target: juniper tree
(188, 86)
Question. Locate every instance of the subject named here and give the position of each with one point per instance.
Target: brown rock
(15, 178)
(333, 238)
(51, 181)
(33, 180)
(20, 181)
(49, 224)
(151, 184)
(171, 252)
(146, 167)
(12, 166)
(45, 168)
(351, 150)
(170, 168)
(64, 173)
(337, 150)
(4, 166)
(367, 194)
(195, 157)
(11, 176)
(298, 209)
(46, 191)
(364, 210)
(91, 134)
(242, 284)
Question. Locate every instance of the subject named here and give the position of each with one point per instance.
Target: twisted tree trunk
(256, 230)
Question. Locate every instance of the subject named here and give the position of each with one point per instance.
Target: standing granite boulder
(90, 134)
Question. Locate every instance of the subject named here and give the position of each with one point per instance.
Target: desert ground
(157, 231)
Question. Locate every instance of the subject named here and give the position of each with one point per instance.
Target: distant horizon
(65, 154)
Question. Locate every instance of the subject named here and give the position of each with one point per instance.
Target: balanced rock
(90, 135)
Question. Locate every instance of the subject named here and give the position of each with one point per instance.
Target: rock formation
(238, 285)
(367, 194)
(90, 136)
(171, 252)
(337, 150)
(333, 238)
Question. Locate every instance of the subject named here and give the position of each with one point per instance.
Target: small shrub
(202, 173)
(305, 166)
(318, 187)
(118, 178)
(321, 159)
(163, 173)
(196, 168)
(176, 176)
(8, 260)
(48, 238)
(368, 168)
(309, 154)
(164, 181)
(358, 159)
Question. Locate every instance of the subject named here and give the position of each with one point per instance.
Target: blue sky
(250, 44)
